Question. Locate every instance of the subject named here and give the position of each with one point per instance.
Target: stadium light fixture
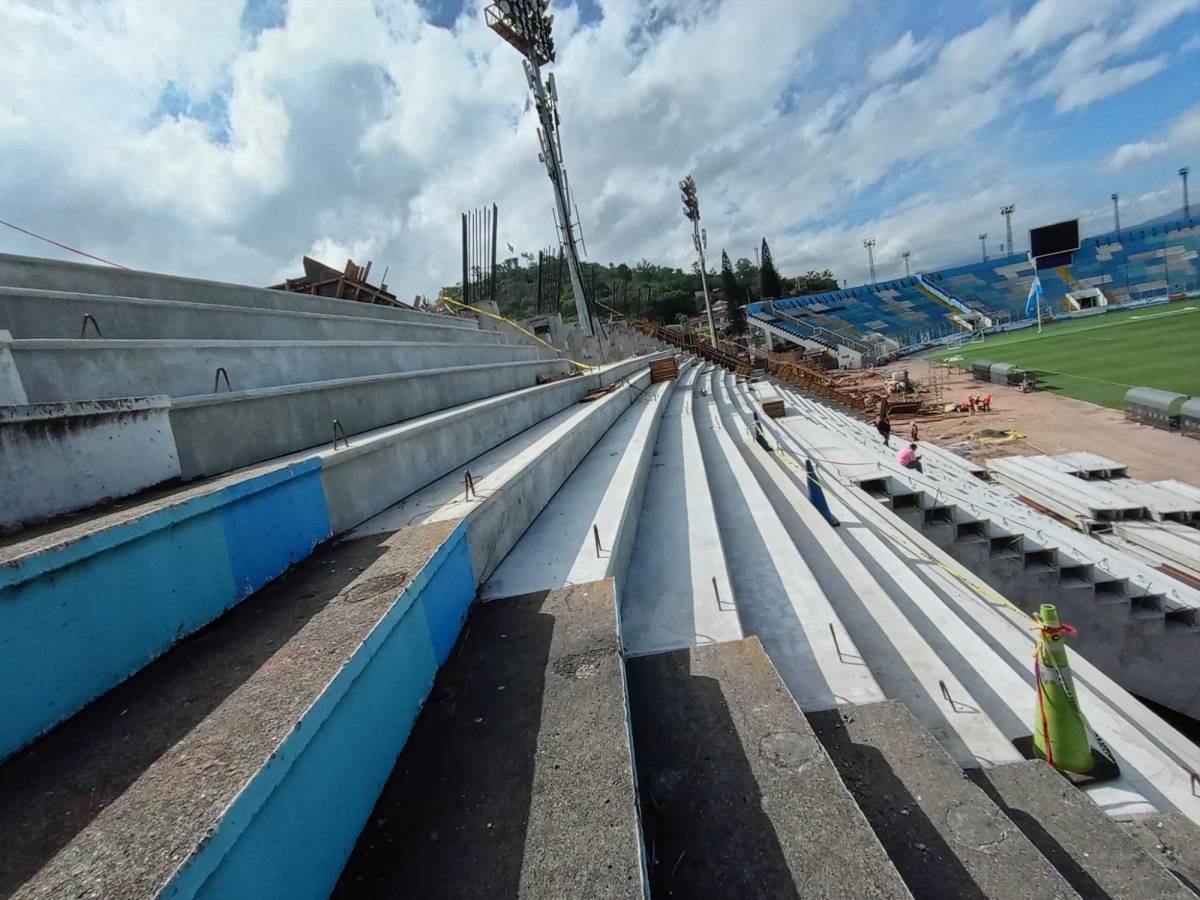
(1007, 212)
(1116, 215)
(869, 243)
(691, 212)
(527, 26)
(1183, 174)
(983, 245)
(906, 254)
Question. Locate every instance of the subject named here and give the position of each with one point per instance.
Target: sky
(226, 139)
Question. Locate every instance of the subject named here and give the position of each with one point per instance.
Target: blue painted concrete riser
(80, 618)
(290, 831)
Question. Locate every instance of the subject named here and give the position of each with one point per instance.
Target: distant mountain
(1165, 217)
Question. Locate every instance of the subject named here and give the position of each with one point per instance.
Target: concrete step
(738, 797)
(54, 314)
(917, 652)
(246, 760)
(678, 592)
(55, 275)
(110, 449)
(57, 370)
(264, 786)
(1172, 839)
(1090, 850)
(780, 598)
(220, 432)
(986, 642)
(180, 558)
(586, 532)
(517, 780)
(943, 834)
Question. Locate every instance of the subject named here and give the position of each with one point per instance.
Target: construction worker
(971, 404)
(913, 432)
(908, 458)
(884, 426)
(985, 403)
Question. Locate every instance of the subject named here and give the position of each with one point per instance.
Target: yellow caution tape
(520, 328)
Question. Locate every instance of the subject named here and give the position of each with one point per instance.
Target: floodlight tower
(869, 243)
(1183, 174)
(691, 212)
(526, 25)
(906, 254)
(1007, 212)
(983, 245)
(1116, 215)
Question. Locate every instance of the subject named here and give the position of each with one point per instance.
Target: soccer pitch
(1099, 358)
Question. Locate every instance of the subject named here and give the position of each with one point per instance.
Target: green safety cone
(1059, 733)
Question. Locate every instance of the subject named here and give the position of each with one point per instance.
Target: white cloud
(1103, 83)
(898, 58)
(360, 129)
(1181, 135)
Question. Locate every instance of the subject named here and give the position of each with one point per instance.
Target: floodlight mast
(526, 25)
(691, 212)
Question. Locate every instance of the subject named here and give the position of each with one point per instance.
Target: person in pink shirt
(908, 458)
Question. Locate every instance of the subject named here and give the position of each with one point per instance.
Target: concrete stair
(738, 797)
(185, 556)
(55, 275)
(517, 780)
(38, 313)
(247, 758)
(1134, 621)
(943, 834)
(1092, 852)
(678, 592)
(91, 368)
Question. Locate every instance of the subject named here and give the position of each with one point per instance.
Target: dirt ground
(1050, 423)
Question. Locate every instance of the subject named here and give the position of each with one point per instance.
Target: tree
(733, 293)
(816, 282)
(772, 284)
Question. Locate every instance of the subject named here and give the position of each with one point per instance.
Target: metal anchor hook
(88, 317)
(469, 487)
(339, 431)
(217, 380)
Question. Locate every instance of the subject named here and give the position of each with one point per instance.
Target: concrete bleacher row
(1133, 265)
(348, 717)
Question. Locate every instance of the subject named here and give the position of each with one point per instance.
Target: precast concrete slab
(1156, 761)
(586, 532)
(57, 370)
(54, 314)
(223, 431)
(83, 278)
(779, 598)
(738, 797)
(943, 834)
(512, 482)
(1174, 841)
(517, 780)
(1091, 851)
(64, 457)
(913, 653)
(678, 592)
(245, 761)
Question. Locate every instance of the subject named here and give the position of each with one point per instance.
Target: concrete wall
(47, 314)
(220, 432)
(52, 370)
(12, 391)
(79, 617)
(291, 830)
(63, 457)
(53, 275)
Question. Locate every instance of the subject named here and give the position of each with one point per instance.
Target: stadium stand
(1137, 264)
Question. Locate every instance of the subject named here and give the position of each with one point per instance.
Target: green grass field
(1099, 358)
